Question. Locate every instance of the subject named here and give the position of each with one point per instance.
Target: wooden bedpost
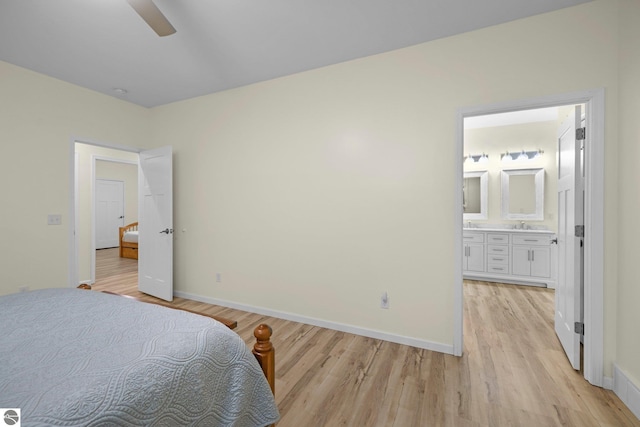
(265, 353)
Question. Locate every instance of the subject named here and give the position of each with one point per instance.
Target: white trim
(73, 220)
(607, 383)
(399, 339)
(458, 217)
(505, 194)
(594, 240)
(626, 390)
(484, 195)
(594, 218)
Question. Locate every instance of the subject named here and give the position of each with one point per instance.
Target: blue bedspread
(72, 357)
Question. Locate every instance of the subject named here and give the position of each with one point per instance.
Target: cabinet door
(540, 258)
(520, 261)
(475, 258)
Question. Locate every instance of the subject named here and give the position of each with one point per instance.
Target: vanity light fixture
(477, 158)
(523, 155)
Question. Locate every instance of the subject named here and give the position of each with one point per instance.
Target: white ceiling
(512, 118)
(221, 44)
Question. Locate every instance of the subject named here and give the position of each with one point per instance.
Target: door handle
(554, 241)
(167, 231)
(120, 217)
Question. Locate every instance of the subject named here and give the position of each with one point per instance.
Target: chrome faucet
(523, 225)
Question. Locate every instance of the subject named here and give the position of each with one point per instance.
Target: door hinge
(579, 231)
(578, 328)
(581, 134)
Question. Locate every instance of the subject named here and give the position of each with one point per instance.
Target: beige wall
(314, 193)
(626, 312)
(495, 141)
(39, 116)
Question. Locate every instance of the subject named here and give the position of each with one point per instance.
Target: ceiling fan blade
(152, 16)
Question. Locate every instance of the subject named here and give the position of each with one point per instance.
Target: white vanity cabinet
(512, 256)
(498, 253)
(531, 256)
(473, 252)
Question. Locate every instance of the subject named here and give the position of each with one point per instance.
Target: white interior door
(109, 210)
(570, 214)
(155, 217)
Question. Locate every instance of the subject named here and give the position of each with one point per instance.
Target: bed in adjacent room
(129, 241)
(77, 358)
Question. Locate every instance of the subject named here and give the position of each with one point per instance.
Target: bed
(129, 241)
(73, 357)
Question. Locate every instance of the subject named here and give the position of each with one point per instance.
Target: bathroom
(510, 197)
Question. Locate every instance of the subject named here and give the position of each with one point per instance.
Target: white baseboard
(607, 383)
(86, 282)
(399, 339)
(626, 390)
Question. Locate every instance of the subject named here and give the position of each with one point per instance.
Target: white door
(570, 214)
(109, 212)
(155, 229)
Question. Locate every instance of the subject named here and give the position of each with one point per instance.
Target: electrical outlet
(218, 278)
(54, 219)
(384, 301)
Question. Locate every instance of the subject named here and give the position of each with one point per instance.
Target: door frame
(594, 217)
(73, 217)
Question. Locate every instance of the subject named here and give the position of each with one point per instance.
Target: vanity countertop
(510, 230)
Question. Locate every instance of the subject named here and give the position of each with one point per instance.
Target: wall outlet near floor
(218, 278)
(384, 300)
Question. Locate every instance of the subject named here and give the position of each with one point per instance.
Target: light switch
(54, 219)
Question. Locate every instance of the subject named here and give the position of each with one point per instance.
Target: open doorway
(593, 202)
(115, 208)
(97, 249)
(155, 204)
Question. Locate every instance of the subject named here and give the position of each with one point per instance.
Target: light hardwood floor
(513, 371)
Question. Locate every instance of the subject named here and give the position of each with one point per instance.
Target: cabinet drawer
(498, 259)
(130, 253)
(498, 268)
(470, 236)
(500, 239)
(498, 250)
(531, 240)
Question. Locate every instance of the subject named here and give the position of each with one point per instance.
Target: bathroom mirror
(474, 195)
(523, 194)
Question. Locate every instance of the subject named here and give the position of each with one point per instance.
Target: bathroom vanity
(523, 257)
